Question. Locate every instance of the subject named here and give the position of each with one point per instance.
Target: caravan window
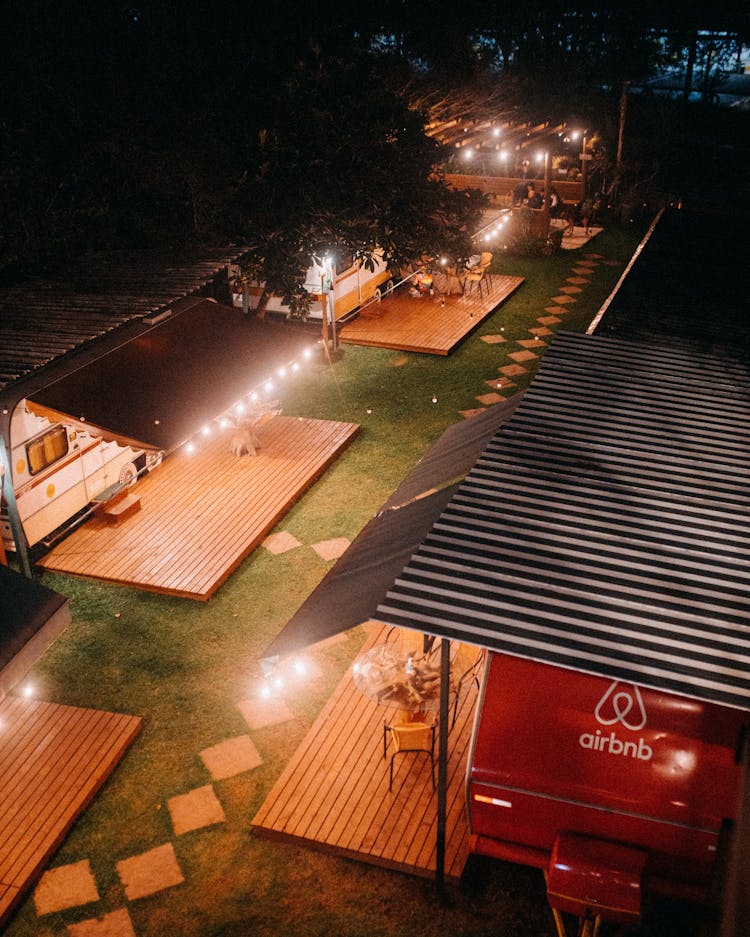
(46, 449)
(344, 264)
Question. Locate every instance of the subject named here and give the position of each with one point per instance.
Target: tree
(343, 168)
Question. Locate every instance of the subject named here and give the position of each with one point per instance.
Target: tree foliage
(134, 124)
(344, 168)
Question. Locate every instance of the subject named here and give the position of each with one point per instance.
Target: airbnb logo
(619, 706)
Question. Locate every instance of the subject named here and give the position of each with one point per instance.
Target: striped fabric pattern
(606, 527)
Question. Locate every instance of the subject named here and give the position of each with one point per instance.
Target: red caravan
(613, 790)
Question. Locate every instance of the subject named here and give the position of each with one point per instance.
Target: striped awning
(606, 527)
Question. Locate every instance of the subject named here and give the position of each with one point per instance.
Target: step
(122, 508)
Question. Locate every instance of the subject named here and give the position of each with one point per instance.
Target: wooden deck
(53, 760)
(424, 324)
(333, 794)
(202, 513)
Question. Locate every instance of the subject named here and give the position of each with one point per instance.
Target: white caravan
(348, 285)
(60, 468)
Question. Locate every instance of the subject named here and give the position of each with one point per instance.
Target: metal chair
(417, 736)
(466, 667)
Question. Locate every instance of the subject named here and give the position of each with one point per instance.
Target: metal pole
(547, 187)
(442, 787)
(332, 307)
(19, 536)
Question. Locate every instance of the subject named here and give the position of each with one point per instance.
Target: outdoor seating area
(435, 315)
(361, 783)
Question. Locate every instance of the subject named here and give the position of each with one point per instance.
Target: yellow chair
(475, 276)
(484, 262)
(416, 736)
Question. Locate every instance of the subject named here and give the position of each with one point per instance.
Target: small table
(393, 677)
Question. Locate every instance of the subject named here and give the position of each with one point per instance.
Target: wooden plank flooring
(53, 760)
(424, 324)
(333, 794)
(203, 513)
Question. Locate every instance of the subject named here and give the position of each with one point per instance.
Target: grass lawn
(184, 666)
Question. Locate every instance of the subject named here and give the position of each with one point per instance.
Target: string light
(239, 408)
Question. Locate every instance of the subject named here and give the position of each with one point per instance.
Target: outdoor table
(392, 676)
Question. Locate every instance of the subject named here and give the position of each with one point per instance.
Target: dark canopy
(163, 385)
(25, 607)
(349, 594)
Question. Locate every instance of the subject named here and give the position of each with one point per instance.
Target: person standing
(587, 210)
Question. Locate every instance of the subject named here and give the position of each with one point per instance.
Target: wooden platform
(401, 321)
(201, 514)
(333, 794)
(53, 760)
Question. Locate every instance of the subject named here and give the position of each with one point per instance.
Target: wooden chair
(475, 277)
(415, 736)
(484, 262)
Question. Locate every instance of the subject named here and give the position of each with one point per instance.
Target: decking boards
(333, 794)
(433, 325)
(203, 513)
(53, 760)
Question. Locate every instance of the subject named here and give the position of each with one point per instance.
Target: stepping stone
(532, 343)
(489, 399)
(493, 339)
(501, 383)
(195, 810)
(231, 757)
(150, 872)
(512, 370)
(400, 361)
(577, 281)
(594, 256)
(562, 299)
(332, 549)
(541, 330)
(570, 289)
(522, 355)
(280, 542)
(612, 263)
(589, 269)
(115, 924)
(468, 414)
(259, 713)
(549, 320)
(556, 310)
(67, 886)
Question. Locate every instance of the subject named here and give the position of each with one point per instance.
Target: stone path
(148, 873)
(530, 349)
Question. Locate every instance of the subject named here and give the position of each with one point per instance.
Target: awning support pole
(22, 548)
(442, 786)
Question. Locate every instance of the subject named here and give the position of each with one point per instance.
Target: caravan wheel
(128, 475)
(389, 287)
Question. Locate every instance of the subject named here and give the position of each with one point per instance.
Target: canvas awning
(167, 382)
(350, 592)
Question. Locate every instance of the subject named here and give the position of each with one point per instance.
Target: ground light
(280, 675)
